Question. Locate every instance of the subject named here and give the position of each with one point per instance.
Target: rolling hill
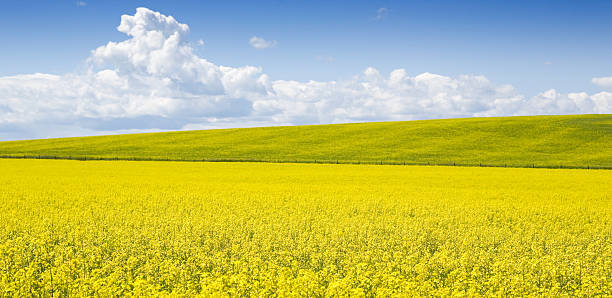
(540, 141)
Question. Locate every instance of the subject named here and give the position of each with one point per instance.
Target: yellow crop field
(144, 228)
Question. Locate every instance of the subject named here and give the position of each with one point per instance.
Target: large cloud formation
(154, 81)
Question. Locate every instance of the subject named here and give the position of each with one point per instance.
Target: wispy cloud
(260, 43)
(324, 58)
(382, 13)
(81, 3)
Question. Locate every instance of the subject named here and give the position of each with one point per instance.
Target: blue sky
(533, 46)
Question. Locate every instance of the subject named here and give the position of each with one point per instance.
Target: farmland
(141, 228)
(538, 141)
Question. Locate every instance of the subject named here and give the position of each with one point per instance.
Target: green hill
(541, 141)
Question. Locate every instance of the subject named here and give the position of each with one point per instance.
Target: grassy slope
(577, 140)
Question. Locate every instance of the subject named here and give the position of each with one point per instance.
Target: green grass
(543, 141)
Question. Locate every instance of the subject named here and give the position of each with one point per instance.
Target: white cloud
(260, 43)
(154, 81)
(324, 58)
(81, 3)
(382, 13)
(200, 42)
(604, 82)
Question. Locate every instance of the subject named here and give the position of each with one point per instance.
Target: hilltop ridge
(540, 141)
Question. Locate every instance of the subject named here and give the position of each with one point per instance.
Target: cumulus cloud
(154, 81)
(260, 43)
(604, 82)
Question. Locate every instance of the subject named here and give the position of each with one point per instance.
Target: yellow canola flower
(70, 228)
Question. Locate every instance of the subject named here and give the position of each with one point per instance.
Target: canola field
(582, 141)
(146, 228)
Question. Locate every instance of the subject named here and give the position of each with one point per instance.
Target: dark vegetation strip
(352, 162)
